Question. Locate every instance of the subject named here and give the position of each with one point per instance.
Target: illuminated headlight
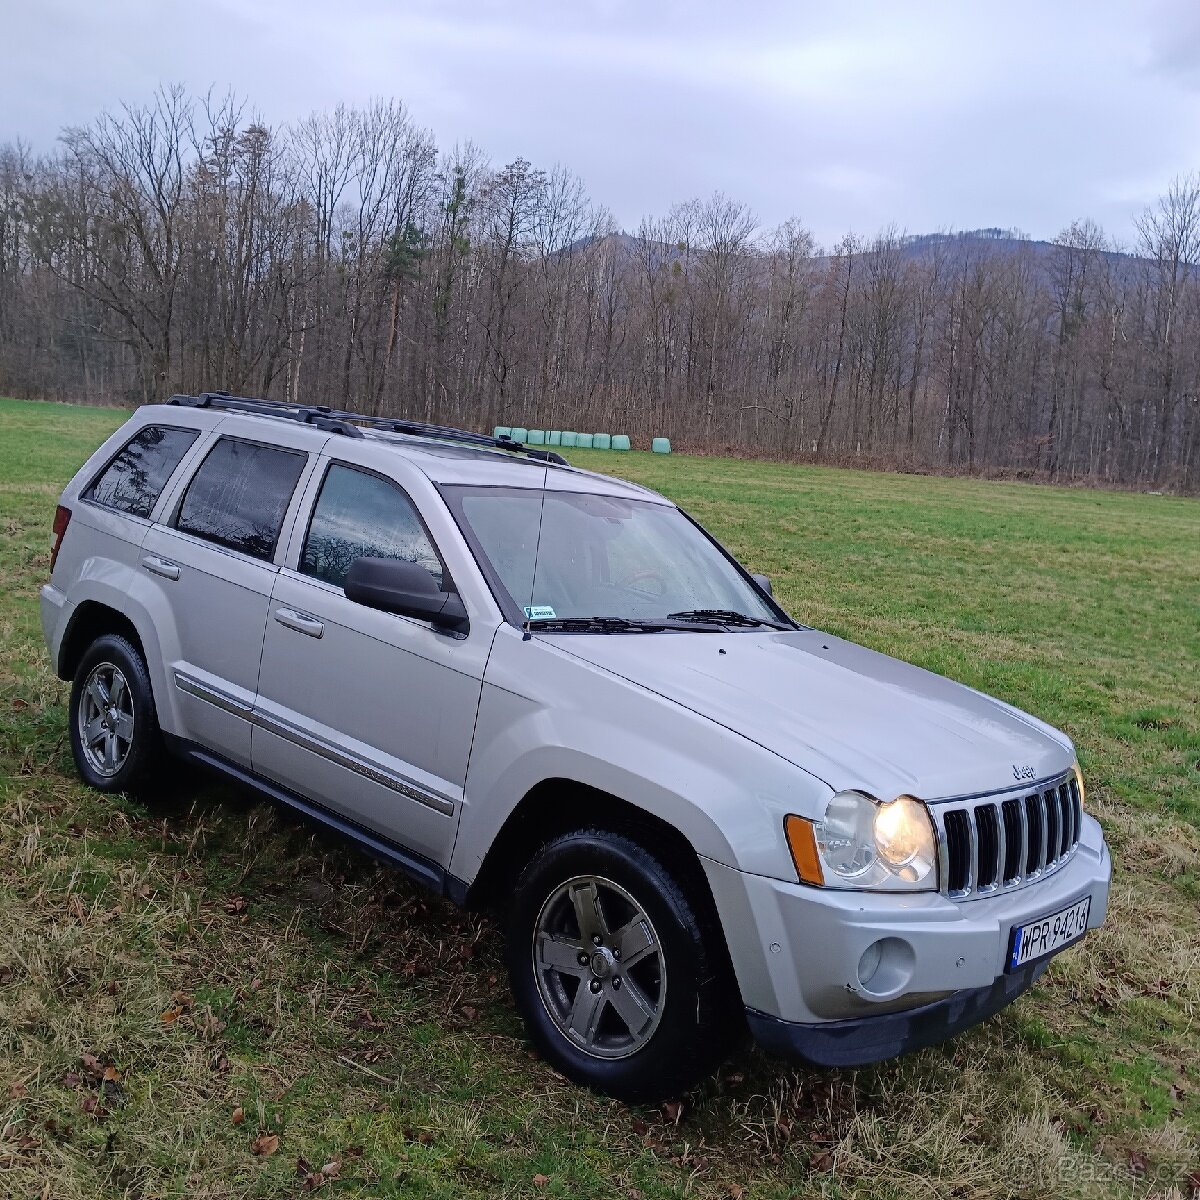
(862, 843)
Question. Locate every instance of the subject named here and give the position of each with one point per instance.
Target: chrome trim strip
(352, 762)
(316, 745)
(212, 695)
(1030, 785)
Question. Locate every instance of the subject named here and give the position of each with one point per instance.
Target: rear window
(239, 496)
(134, 480)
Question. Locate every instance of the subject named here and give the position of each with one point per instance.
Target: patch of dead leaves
(265, 1144)
(310, 1180)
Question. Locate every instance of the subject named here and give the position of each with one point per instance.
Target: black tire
(139, 755)
(687, 982)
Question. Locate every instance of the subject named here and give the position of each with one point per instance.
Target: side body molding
(360, 764)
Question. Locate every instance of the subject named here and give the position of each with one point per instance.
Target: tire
(116, 747)
(581, 1016)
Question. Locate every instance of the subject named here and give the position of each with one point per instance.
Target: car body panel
(849, 715)
(546, 714)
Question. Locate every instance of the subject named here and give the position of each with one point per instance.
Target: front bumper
(862, 1040)
(798, 953)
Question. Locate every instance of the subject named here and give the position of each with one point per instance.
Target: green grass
(220, 956)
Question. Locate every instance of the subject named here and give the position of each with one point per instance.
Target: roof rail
(349, 424)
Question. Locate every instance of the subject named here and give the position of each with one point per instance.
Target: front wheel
(611, 970)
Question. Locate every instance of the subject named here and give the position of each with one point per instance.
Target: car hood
(848, 715)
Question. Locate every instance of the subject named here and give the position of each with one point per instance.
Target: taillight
(62, 518)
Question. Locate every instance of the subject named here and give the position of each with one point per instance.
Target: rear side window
(134, 480)
(239, 496)
(358, 514)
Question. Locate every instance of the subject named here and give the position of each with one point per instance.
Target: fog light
(869, 963)
(885, 969)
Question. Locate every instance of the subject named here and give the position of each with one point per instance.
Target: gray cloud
(850, 116)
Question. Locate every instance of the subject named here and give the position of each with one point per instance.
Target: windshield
(563, 555)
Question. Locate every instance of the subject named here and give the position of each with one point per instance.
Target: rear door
(213, 557)
(370, 713)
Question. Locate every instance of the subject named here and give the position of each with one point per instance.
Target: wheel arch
(557, 806)
(92, 619)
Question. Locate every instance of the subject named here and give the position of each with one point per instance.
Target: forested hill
(956, 247)
(347, 259)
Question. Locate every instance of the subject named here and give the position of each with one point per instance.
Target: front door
(368, 713)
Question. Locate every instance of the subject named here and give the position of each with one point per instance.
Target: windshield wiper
(722, 616)
(597, 625)
(621, 625)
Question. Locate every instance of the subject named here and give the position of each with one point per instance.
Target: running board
(416, 866)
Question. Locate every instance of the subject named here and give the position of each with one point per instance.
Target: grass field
(186, 983)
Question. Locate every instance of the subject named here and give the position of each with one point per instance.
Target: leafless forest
(347, 260)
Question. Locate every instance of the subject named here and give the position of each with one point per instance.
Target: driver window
(358, 514)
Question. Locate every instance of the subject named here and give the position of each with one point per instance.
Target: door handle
(300, 622)
(161, 566)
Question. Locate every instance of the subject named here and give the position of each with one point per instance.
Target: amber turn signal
(802, 842)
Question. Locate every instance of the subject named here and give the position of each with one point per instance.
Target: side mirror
(395, 586)
(764, 582)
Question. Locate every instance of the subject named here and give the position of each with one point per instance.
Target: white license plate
(1047, 934)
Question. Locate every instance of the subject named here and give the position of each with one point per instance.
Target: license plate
(1048, 934)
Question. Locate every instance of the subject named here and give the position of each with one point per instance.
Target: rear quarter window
(239, 496)
(133, 481)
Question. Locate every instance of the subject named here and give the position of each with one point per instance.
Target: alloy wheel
(105, 719)
(599, 967)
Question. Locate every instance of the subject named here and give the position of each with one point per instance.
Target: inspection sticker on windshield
(539, 612)
(1048, 934)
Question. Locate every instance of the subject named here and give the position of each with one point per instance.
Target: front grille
(988, 845)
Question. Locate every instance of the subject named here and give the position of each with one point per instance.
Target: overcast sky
(1024, 113)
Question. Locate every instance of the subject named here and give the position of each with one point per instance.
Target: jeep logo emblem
(1021, 771)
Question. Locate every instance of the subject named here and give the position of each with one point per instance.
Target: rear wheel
(617, 983)
(114, 727)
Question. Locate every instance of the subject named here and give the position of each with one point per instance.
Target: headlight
(861, 843)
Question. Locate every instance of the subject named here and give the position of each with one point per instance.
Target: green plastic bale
(620, 441)
(661, 445)
(502, 431)
(583, 441)
(519, 433)
(554, 437)
(568, 438)
(537, 437)
(601, 441)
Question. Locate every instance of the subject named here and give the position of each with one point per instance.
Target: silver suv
(550, 692)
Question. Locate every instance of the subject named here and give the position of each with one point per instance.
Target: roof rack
(349, 424)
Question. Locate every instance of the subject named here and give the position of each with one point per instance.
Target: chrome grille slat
(1001, 842)
(972, 851)
(1044, 844)
(1053, 820)
(999, 874)
(1023, 812)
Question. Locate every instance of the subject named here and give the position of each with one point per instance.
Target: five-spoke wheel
(599, 967)
(114, 726)
(105, 719)
(622, 983)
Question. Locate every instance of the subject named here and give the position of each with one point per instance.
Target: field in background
(248, 981)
